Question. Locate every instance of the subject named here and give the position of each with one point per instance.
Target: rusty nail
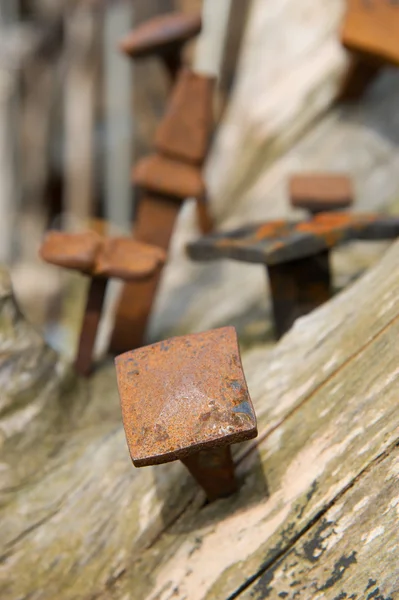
(165, 184)
(296, 260)
(164, 36)
(320, 192)
(166, 179)
(370, 32)
(100, 259)
(298, 287)
(295, 254)
(186, 398)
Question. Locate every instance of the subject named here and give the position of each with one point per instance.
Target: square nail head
(183, 395)
(321, 191)
(71, 250)
(128, 259)
(371, 27)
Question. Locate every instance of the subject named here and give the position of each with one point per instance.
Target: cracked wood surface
(350, 551)
(77, 521)
(86, 524)
(326, 406)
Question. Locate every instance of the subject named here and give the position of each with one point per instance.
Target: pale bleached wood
(211, 42)
(8, 196)
(289, 72)
(87, 506)
(336, 417)
(119, 121)
(77, 521)
(350, 551)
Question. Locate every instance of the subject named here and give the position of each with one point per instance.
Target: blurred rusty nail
(295, 255)
(296, 263)
(186, 398)
(320, 192)
(370, 32)
(165, 180)
(100, 259)
(359, 75)
(298, 287)
(164, 36)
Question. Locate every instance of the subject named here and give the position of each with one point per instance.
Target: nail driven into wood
(165, 180)
(186, 399)
(100, 259)
(295, 255)
(302, 285)
(164, 36)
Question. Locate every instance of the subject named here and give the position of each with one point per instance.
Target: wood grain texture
(78, 522)
(324, 418)
(350, 551)
(81, 523)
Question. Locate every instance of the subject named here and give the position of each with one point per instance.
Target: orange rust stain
(269, 229)
(334, 218)
(330, 232)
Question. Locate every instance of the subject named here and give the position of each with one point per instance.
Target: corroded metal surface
(161, 34)
(91, 321)
(155, 221)
(185, 131)
(167, 178)
(320, 192)
(296, 255)
(297, 288)
(71, 250)
(371, 32)
(101, 258)
(371, 27)
(92, 254)
(125, 258)
(282, 241)
(170, 177)
(213, 469)
(184, 395)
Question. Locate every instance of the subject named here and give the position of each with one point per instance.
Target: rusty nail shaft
(91, 320)
(298, 287)
(186, 399)
(214, 471)
(358, 77)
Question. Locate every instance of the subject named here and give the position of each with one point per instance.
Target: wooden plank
(350, 552)
(265, 116)
(77, 521)
(103, 513)
(300, 468)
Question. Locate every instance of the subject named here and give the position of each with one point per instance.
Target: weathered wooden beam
(326, 405)
(78, 521)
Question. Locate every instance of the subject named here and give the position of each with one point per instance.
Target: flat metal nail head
(318, 192)
(161, 33)
(277, 242)
(184, 395)
(372, 29)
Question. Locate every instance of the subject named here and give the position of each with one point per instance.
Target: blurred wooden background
(74, 116)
